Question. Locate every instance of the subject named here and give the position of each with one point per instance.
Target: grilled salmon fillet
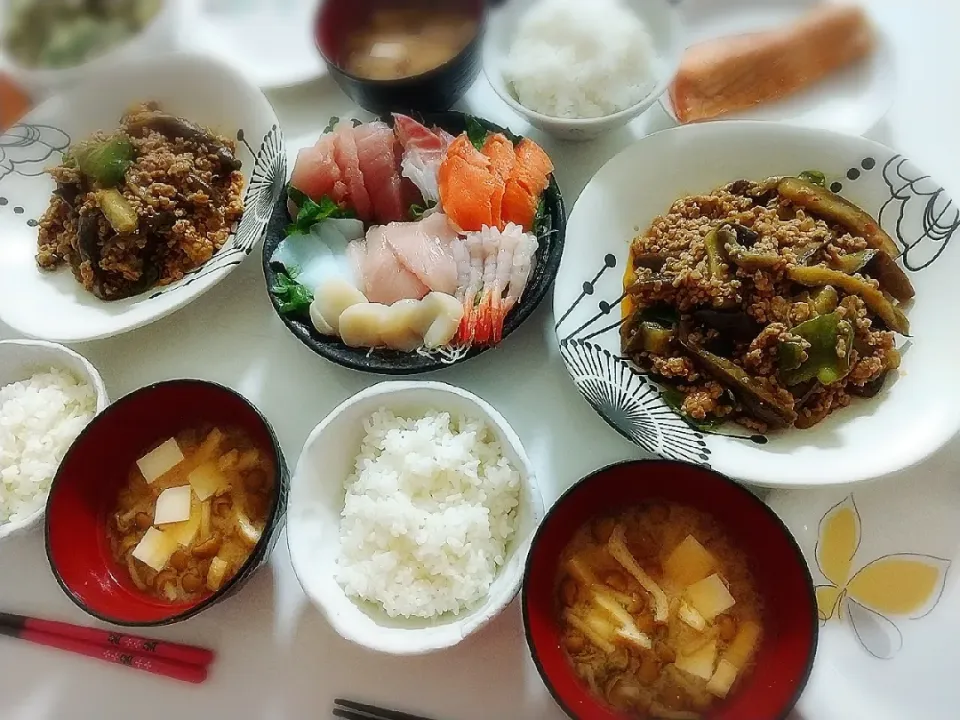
(736, 73)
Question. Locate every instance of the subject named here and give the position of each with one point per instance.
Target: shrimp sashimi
(736, 73)
(503, 261)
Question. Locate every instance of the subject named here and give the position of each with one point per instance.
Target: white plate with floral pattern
(917, 411)
(881, 556)
(53, 305)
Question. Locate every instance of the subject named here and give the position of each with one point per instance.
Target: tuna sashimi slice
(345, 154)
(378, 163)
(385, 279)
(316, 173)
(425, 249)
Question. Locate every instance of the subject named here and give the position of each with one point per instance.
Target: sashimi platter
(748, 317)
(409, 245)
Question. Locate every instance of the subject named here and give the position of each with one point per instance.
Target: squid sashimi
(348, 160)
(497, 265)
(385, 279)
(736, 73)
(424, 248)
(423, 152)
(529, 178)
(468, 185)
(376, 153)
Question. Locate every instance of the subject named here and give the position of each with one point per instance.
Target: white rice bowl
(576, 60)
(415, 544)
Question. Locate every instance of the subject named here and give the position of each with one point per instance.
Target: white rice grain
(429, 512)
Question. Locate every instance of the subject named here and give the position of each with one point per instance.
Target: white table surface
(278, 659)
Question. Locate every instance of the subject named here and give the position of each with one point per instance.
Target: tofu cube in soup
(160, 460)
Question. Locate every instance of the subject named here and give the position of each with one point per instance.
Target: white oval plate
(881, 556)
(53, 305)
(270, 43)
(851, 101)
(915, 413)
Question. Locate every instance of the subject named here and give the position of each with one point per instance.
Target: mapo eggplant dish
(769, 303)
(141, 206)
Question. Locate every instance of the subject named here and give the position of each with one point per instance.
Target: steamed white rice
(39, 419)
(428, 515)
(580, 59)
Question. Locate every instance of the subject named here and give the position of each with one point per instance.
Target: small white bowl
(666, 29)
(160, 34)
(19, 359)
(316, 500)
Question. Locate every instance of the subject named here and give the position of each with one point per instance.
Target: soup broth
(409, 40)
(659, 613)
(191, 513)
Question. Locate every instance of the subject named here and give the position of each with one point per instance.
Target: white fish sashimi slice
(322, 253)
(424, 248)
(385, 279)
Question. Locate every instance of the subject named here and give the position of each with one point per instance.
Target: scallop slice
(401, 326)
(440, 319)
(361, 325)
(333, 296)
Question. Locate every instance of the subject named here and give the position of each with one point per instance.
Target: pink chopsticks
(172, 660)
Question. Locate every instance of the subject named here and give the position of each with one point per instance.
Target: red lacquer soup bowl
(85, 489)
(789, 640)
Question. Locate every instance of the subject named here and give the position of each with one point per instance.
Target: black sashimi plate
(393, 362)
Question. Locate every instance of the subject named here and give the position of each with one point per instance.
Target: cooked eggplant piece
(117, 210)
(810, 252)
(825, 337)
(869, 389)
(854, 262)
(735, 324)
(744, 258)
(650, 261)
(88, 250)
(172, 126)
(716, 254)
(752, 394)
(824, 300)
(833, 207)
(654, 338)
(876, 301)
(745, 236)
(649, 283)
(891, 276)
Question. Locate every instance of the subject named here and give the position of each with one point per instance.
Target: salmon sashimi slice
(468, 185)
(376, 153)
(347, 159)
(736, 73)
(503, 159)
(529, 178)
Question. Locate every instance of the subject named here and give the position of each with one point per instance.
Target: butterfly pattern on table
(899, 585)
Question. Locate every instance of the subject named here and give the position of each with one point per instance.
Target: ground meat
(186, 203)
(690, 280)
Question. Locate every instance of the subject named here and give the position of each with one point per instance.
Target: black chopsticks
(350, 710)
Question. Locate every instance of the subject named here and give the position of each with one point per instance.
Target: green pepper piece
(789, 355)
(825, 300)
(835, 208)
(814, 177)
(105, 162)
(759, 401)
(119, 213)
(743, 258)
(823, 334)
(876, 301)
(716, 256)
(674, 398)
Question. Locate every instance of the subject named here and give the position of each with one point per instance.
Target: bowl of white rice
(578, 69)
(410, 515)
(48, 394)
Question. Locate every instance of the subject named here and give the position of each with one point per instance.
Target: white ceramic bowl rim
(91, 376)
(510, 575)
